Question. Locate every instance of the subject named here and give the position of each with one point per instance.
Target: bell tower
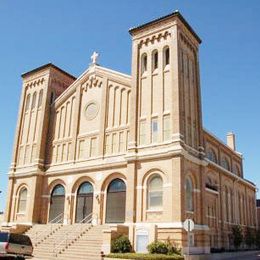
(166, 89)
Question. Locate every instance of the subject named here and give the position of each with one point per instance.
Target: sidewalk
(229, 255)
(236, 255)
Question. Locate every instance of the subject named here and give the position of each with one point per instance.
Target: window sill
(189, 212)
(167, 68)
(155, 72)
(144, 75)
(154, 210)
(20, 213)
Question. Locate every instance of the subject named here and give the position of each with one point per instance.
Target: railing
(56, 220)
(77, 231)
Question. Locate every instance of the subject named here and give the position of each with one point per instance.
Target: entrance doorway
(84, 205)
(56, 213)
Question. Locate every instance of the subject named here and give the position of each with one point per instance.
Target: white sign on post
(188, 225)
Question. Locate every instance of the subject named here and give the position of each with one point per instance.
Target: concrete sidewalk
(235, 255)
(228, 255)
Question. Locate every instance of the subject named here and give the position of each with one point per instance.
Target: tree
(257, 238)
(237, 236)
(249, 237)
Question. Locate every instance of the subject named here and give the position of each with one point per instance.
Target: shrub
(237, 236)
(249, 237)
(140, 256)
(121, 245)
(172, 249)
(257, 238)
(158, 247)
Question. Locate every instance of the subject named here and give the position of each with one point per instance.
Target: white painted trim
(167, 185)
(46, 196)
(212, 191)
(167, 225)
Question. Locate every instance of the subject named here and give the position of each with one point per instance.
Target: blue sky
(66, 33)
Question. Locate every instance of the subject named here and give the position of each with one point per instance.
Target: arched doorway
(115, 205)
(57, 204)
(84, 205)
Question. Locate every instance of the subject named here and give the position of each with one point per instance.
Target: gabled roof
(163, 18)
(47, 66)
(98, 70)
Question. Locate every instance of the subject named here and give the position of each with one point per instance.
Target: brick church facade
(129, 150)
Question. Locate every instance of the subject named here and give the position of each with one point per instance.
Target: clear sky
(66, 33)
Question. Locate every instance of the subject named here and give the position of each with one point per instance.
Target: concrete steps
(84, 242)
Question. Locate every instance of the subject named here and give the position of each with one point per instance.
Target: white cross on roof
(94, 57)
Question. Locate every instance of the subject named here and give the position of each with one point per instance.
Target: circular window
(91, 110)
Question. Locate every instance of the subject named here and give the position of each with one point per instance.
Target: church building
(129, 150)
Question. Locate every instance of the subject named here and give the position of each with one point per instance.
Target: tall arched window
(188, 194)
(166, 56)
(27, 103)
(155, 193)
(22, 201)
(116, 198)
(33, 100)
(237, 170)
(227, 203)
(40, 99)
(53, 97)
(231, 205)
(57, 203)
(212, 155)
(144, 63)
(225, 163)
(84, 201)
(155, 60)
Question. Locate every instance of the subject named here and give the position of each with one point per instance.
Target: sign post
(188, 225)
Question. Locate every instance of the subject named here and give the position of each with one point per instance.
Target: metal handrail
(53, 221)
(57, 247)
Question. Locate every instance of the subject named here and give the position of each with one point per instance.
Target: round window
(91, 110)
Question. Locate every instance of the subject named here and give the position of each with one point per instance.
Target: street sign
(188, 225)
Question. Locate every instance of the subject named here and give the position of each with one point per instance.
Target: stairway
(78, 241)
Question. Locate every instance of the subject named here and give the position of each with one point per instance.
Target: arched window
(57, 203)
(53, 97)
(155, 192)
(212, 155)
(116, 198)
(237, 170)
(40, 99)
(166, 56)
(155, 60)
(33, 100)
(84, 202)
(144, 63)
(227, 203)
(22, 201)
(27, 103)
(188, 194)
(225, 163)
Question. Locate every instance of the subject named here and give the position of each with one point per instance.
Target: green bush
(145, 256)
(257, 238)
(172, 249)
(121, 245)
(237, 236)
(249, 237)
(166, 248)
(158, 247)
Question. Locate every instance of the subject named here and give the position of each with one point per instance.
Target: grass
(145, 256)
